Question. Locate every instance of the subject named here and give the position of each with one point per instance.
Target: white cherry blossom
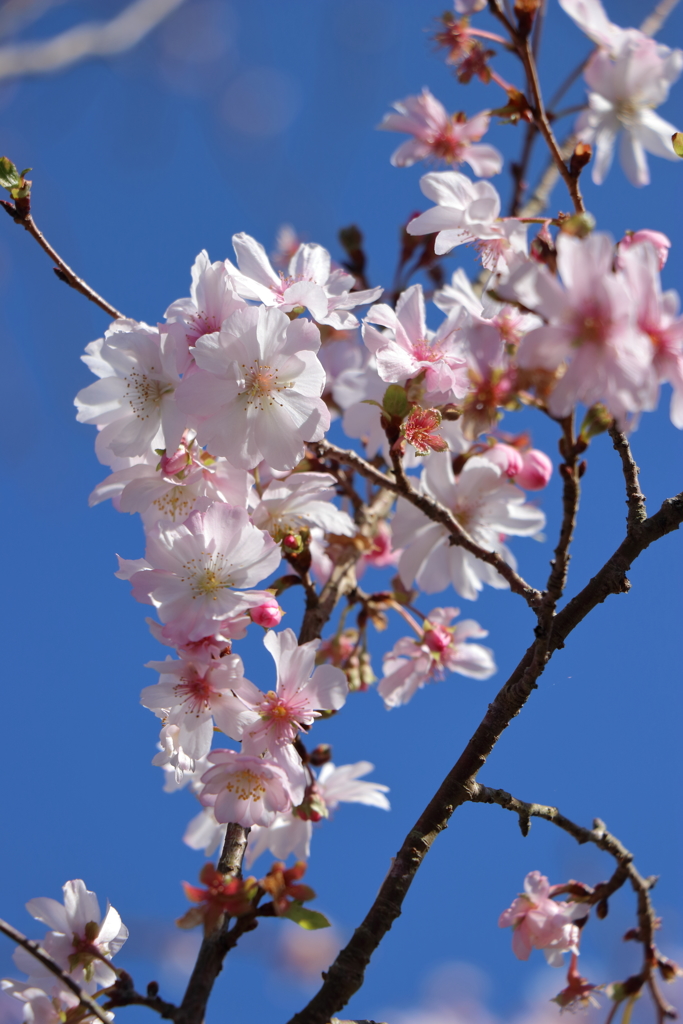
(246, 789)
(195, 566)
(485, 504)
(310, 282)
(257, 394)
(302, 500)
(133, 403)
(464, 210)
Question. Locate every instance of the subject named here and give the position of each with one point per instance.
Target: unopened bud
(320, 755)
(507, 458)
(596, 421)
(536, 470)
(267, 614)
(352, 671)
(668, 969)
(602, 909)
(367, 676)
(579, 225)
(580, 157)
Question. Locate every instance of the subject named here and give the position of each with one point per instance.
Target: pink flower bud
(176, 463)
(438, 638)
(507, 458)
(267, 615)
(657, 240)
(536, 470)
(291, 541)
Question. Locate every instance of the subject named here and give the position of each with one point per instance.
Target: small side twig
(62, 269)
(635, 499)
(35, 949)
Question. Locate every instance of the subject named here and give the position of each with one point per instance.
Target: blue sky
(238, 117)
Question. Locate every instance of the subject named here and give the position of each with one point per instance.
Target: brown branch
(438, 513)
(35, 949)
(62, 270)
(122, 993)
(346, 974)
(635, 499)
(626, 869)
(655, 20)
(570, 471)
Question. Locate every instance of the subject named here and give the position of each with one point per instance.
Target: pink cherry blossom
(80, 940)
(301, 693)
(406, 348)
(192, 695)
(246, 789)
(437, 135)
(212, 300)
(381, 554)
(257, 392)
(507, 458)
(659, 241)
(540, 922)
(301, 500)
(133, 403)
(442, 647)
(310, 282)
(657, 316)
(590, 327)
(195, 566)
(485, 503)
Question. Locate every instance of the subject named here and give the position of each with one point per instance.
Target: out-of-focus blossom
(657, 316)
(286, 244)
(656, 239)
(438, 135)
(172, 757)
(381, 553)
(133, 403)
(592, 19)
(469, 6)
(246, 789)
(486, 504)
(257, 392)
(590, 326)
(212, 300)
(406, 348)
(41, 1007)
(624, 91)
(195, 566)
(310, 283)
(81, 941)
(442, 647)
(507, 458)
(539, 922)
(302, 500)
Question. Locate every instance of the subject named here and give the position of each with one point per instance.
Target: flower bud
(176, 463)
(320, 755)
(536, 471)
(508, 459)
(267, 614)
(437, 638)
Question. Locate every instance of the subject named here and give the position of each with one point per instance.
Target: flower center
(144, 393)
(426, 352)
(195, 693)
(207, 578)
(246, 785)
(437, 639)
(261, 384)
(275, 708)
(176, 503)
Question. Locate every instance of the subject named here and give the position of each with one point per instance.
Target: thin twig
(123, 993)
(35, 949)
(438, 513)
(635, 499)
(655, 20)
(346, 974)
(570, 504)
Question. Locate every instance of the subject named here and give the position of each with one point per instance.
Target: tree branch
(635, 499)
(346, 974)
(438, 513)
(62, 270)
(35, 949)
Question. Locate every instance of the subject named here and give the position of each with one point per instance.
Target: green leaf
(677, 139)
(395, 401)
(308, 919)
(9, 175)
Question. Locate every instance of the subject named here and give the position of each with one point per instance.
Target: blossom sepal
(222, 896)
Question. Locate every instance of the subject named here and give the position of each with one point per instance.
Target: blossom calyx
(420, 428)
(222, 895)
(282, 884)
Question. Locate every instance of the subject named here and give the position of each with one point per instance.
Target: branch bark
(635, 499)
(346, 974)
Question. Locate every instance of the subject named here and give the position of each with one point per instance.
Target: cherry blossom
(41, 1007)
(657, 316)
(464, 210)
(257, 393)
(485, 503)
(540, 922)
(406, 348)
(442, 647)
(134, 401)
(302, 500)
(590, 324)
(171, 487)
(195, 566)
(381, 552)
(246, 789)
(507, 458)
(624, 91)
(660, 242)
(310, 283)
(438, 135)
(192, 695)
(172, 757)
(212, 300)
(80, 941)
(301, 693)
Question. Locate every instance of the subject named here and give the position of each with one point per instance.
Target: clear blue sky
(238, 117)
